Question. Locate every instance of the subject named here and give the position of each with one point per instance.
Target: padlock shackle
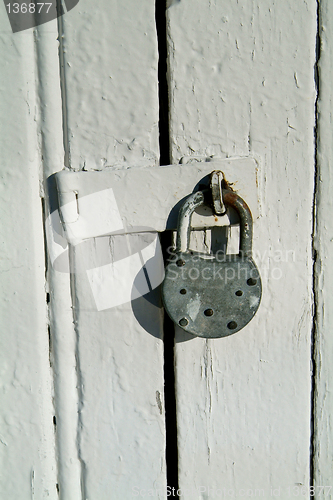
(231, 199)
(245, 221)
(192, 202)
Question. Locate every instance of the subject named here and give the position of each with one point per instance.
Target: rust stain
(231, 198)
(226, 184)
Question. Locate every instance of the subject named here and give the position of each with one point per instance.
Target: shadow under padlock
(147, 311)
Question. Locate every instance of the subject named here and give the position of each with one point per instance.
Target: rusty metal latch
(212, 295)
(216, 181)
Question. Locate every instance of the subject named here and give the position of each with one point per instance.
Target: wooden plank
(110, 68)
(241, 83)
(28, 462)
(111, 118)
(62, 334)
(323, 345)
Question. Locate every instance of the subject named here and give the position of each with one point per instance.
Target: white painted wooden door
(96, 405)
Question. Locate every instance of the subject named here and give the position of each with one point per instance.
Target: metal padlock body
(211, 295)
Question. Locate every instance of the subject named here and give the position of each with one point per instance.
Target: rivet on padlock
(212, 295)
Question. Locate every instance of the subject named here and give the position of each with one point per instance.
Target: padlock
(212, 295)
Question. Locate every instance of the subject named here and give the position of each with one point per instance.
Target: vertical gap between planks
(163, 91)
(63, 86)
(47, 299)
(171, 451)
(314, 332)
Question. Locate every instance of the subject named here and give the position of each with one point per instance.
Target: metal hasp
(212, 295)
(216, 180)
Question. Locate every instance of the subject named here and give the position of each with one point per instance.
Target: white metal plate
(99, 203)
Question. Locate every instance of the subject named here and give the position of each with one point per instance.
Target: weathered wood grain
(241, 83)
